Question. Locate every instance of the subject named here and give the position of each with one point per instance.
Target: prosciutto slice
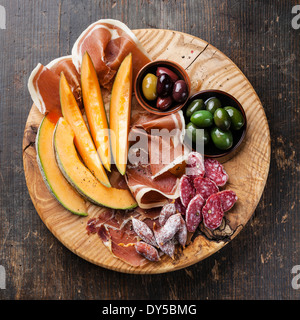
(116, 232)
(43, 84)
(108, 42)
(151, 182)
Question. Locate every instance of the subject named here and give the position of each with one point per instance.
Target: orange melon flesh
(119, 113)
(83, 140)
(80, 177)
(95, 110)
(55, 181)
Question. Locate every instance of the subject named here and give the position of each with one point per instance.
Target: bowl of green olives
(222, 119)
(162, 87)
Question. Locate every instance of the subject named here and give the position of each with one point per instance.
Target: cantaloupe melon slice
(54, 180)
(95, 110)
(83, 140)
(119, 113)
(80, 177)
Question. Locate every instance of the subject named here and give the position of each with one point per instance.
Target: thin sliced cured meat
(143, 231)
(179, 206)
(194, 213)
(43, 85)
(195, 165)
(115, 230)
(205, 187)
(166, 212)
(186, 190)
(228, 199)
(148, 192)
(146, 250)
(215, 171)
(108, 42)
(213, 212)
(164, 142)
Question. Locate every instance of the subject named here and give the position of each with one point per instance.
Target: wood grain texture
(208, 68)
(256, 35)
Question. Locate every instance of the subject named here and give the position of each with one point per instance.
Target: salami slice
(215, 171)
(169, 247)
(228, 199)
(143, 231)
(166, 212)
(213, 212)
(205, 187)
(195, 165)
(186, 190)
(147, 251)
(180, 208)
(181, 235)
(169, 229)
(194, 213)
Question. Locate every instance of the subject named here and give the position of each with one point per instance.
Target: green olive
(194, 136)
(222, 139)
(237, 119)
(149, 86)
(212, 104)
(202, 119)
(222, 119)
(194, 106)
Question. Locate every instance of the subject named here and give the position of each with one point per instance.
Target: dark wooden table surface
(258, 36)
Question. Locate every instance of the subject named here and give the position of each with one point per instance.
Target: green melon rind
(46, 179)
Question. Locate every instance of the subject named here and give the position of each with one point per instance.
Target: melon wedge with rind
(56, 183)
(83, 139)
(95, 110)
(81, 178)
(119, 113)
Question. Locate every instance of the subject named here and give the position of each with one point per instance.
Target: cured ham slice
(43, 85)
(115, 230)
(108, 42)
(148, 192)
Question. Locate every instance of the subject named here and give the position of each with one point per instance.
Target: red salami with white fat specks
(147, 251)
(215, 171)
(194, 213)
(186, 190)
(166, 212)
(195, 165)
(180, 208)
(228, 199)
(205, 187)
(213, 212)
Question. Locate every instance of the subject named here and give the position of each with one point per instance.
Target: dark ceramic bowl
(151, 68)
(211, 151)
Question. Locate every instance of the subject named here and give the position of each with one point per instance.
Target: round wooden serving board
(208, 68)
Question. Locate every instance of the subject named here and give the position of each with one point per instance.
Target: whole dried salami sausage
(228, 199)
(195, 165)
(213, 212)
(194, 213)
(169, 229)
(146, 250)
(215, 171)
(186, 190)
(205, 187)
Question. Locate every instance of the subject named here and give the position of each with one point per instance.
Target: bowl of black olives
(162, 87)
(222, 120)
